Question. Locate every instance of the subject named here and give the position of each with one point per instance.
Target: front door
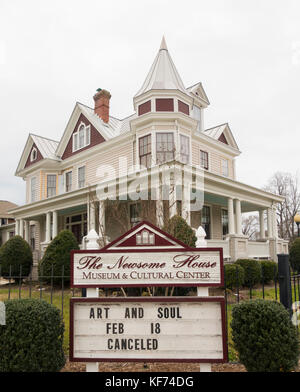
(76, 230)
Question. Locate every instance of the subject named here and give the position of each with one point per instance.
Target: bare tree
(250, 227)
(286, 185)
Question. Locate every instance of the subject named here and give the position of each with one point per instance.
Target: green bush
(252, 271)
(269, 270)
(234, 275)
(178, 228)
(58, 255)
(32, 339)
(15, 257)
(295, 255)
(264, 336)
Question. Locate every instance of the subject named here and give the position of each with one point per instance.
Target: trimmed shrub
(269, 270)
(32, 339)
(234, 275)
(15, 257)
(295, 255)
(252, 271)
(178, 228)
(58, 255)
(264, 336)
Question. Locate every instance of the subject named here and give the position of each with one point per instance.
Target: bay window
(184, 149)
(165, 148)
(145, 151)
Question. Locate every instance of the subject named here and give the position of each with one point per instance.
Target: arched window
(33, 155)
(82, 137)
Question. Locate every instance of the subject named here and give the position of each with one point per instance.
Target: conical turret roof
(163, 73)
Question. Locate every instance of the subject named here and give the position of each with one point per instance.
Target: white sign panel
(148, 329)
(168, 267)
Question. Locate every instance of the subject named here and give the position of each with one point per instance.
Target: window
(225, 222)
(184, 149)
(68, 181)
(81, 177)
(197, 116)
(33, 189)
(204, 159)
(82, 137)
(205, 221)
(135, 212)
(224, 167)
(165, 147)
(145, 151)
(51, 185)
(33, 155)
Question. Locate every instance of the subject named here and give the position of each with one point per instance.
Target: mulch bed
(152, 367)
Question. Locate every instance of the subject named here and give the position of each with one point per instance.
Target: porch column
(275, 226)
(48, 227)
(172, 202)
(186, 204)
(159, 207)
(262, 225)
(92, 216)
(26, 231)
(17, 225)
(238, 213)
(230, 216)
(102, 218)
(270, 223)
(21, 228)
(55, 224)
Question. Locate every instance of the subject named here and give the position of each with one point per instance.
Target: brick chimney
(101, 99)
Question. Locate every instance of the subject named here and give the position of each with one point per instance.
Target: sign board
(148, 329)
(146, 256)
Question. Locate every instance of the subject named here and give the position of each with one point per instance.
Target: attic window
(82, 137)
(33, 156)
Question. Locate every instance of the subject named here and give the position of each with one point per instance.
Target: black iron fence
(55, 289)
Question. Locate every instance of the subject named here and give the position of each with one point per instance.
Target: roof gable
(95, 138)
(223, 134)
(145, 236)
(45, 149)
(198, 91)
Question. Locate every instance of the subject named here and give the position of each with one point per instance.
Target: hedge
(32, 339)
(269, 270)
(15, 257)
(252, 269)
(234, 275)
(295, 255)
(264, 336)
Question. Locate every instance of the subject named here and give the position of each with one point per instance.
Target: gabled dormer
(223, 134)
(37, 151)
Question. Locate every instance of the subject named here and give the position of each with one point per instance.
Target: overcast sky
(245, 52)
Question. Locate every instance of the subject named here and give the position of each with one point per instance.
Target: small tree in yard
(264, 336)
(57, 257)
(15, 258)
(178, 228)
(295, 255)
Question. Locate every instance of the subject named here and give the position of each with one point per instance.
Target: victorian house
(165, 132)
(7, 223)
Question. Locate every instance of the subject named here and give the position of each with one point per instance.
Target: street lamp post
(297, 221)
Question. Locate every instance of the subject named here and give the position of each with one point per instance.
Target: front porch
(223, 202)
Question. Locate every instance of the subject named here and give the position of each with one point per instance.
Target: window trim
(174, 146)
(51, 174)
(148, 154)
(33, 151)
(86, 140)
(189, 148)
(78, 185)
(68, 172)
(227, 167)
(207, 154)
